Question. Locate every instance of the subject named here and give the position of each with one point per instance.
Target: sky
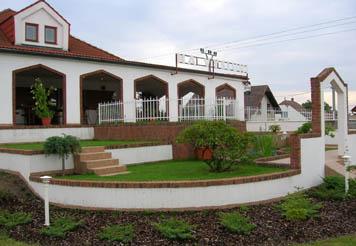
(144, 30)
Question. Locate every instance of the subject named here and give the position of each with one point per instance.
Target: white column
(129, 100)
(342, 122)
(73, 98)
(173, 101)
(6, 98)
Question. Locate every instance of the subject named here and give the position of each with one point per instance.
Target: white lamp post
(46, 180)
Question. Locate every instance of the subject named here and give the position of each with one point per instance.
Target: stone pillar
(316, 106)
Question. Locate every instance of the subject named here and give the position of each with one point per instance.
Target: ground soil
(336, 218)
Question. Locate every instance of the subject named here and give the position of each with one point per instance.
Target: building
(293, 111)
(36, 42)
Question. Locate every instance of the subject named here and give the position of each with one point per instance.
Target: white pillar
(6, 98)
(342, 122)
(173, 101)
(129, 100)
(73, 98)
(46, 180)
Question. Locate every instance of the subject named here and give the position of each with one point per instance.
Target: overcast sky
(136, 29)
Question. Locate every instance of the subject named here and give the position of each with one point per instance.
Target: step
(108, 170)
(94, 156)
(99, 163)
(93, 149)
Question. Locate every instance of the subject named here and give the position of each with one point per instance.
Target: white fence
(158, 109)
(258, 115)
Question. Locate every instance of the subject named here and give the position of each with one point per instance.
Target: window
(31, 32)
(50, 35)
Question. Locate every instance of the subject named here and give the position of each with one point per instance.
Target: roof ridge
(93, 46)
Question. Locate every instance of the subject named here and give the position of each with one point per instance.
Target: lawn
(83, 143)
(6, 241)
(178, 170)
(339, 241)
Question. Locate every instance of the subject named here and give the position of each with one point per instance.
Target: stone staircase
(96, 160)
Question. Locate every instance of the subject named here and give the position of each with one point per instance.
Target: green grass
(83, 143)
(61, 227)
(175, 229)
(236, 223)
(118, 233)
(178, 170)
(339, 241)
(6, 241)
(11, 220)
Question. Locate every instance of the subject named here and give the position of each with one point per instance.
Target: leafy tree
(308, 106)
(62, 146)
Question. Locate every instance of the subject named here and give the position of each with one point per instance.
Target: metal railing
(271, 114)
(150, 109)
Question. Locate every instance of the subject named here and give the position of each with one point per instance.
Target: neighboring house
(36, 42)
(293, 111)
(259, 103)
(353, 111)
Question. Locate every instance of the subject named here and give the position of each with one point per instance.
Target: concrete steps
(96, 160)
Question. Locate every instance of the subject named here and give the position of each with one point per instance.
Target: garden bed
(336, 218)
(179, 170)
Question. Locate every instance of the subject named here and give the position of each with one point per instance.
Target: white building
(36, 42)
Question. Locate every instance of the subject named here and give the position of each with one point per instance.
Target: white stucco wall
(74, 68)
(352, 147)
(41, 134)
(312, 172)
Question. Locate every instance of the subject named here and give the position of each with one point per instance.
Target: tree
(62, 147)
(308, 106)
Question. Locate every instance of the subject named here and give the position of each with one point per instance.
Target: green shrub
(244, 208)
(228, 145)
(263, 146)
(11, 220)
(298, 206)
(62, 147)
(305, 128)
(118, 233)
(42, 101)
(275, 128)
(60, 227)
(236, 223)
(174, 229)
(333, 188)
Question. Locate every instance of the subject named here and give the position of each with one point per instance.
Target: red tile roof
(77, 47)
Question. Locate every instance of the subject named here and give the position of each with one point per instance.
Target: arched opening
(23, 103)
(151, 95)
(98, 87)
(225, 91)
(191, 100)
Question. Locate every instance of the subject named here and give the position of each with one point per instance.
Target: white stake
(46, 180)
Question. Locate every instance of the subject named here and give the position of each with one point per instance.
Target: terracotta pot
(46, 121)
(204, 153)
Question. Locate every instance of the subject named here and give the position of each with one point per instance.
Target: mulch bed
(336, 218)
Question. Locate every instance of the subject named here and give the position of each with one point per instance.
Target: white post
(346, 159)
(46, 180)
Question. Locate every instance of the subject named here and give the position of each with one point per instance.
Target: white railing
(259, 115)
(158, 109)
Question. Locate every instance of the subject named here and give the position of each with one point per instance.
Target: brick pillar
(295, 155)
(316, 105)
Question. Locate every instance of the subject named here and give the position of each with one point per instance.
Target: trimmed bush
(175, 229)
(298, 206)
(333, 188)
(11, 220)
(118, 233)
(61, 227)
(275, 128)
(236, 223)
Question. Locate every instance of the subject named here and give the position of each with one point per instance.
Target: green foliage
(5, 196)
(62, 147)
(298, 206)
(11, 220)
(244, 208)
(60, 227)
(42, 101)
(308, 106)
(275, 128)
(236, 223)
(227, 144)
(333, 188)
(263, 146)
(118, 233)
(305, 128)
(175, 229)
(329, 130)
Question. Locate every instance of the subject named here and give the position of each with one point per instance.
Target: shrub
(275, 128)
(62, 147)
(299, 207)
(11, 220)
(333, 188)
(236, 223)
(174, 229)
(41, 97)
(118, 233)
(263, 146)
(305, 128)
(227, 144)
(60, 227)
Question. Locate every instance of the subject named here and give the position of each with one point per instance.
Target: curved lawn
(178, 170)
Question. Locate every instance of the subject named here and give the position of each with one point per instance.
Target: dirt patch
(336, 218)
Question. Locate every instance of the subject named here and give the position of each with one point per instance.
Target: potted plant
(62, 146)
(218, 144)
(42, 101)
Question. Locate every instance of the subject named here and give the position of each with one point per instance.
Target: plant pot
(204, 154)
(46, 121)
